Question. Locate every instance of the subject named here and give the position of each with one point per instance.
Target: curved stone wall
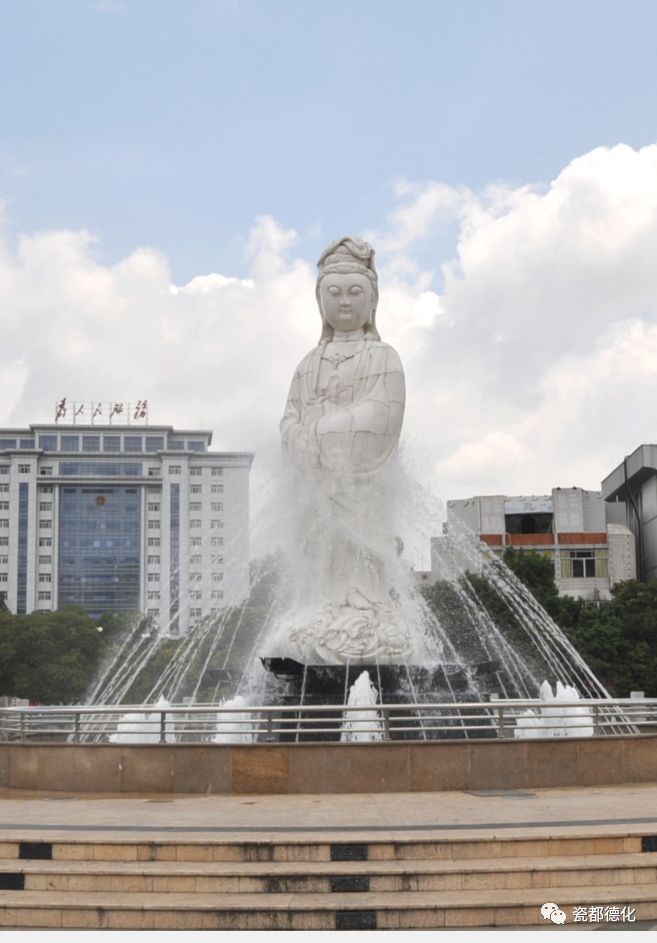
(324, 768)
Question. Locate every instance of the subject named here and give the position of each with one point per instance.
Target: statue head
(346, 257)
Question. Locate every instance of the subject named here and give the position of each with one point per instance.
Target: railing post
(76, 727)
(386, 723)
(596, 720)
(163, 726)
(499, 713)
(22, 726)
(269, 736)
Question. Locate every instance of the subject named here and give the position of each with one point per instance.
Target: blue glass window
(70, 443)
(91, 443)
(99, 546)
(195, 445)
(48, 443)
(23, 504)
(111, 443)
(176, 445)
(174, 557)
(154, 443)
(27, 443)
(7, 443)
(132, 443)
(109, 469)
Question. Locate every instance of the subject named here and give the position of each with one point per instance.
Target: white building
(122, 517)
(587, 539)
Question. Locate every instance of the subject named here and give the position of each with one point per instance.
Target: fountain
(336, 648)
(343, 606)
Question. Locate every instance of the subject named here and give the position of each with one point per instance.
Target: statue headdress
(344, 256)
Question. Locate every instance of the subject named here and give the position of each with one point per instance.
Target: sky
(170, 172)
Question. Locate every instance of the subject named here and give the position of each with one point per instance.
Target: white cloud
(532, 363)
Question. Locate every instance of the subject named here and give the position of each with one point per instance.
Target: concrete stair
(96, 883)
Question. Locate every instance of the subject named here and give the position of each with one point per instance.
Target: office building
(634, 484)
(119, 517)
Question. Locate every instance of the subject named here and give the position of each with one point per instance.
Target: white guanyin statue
(339, 433)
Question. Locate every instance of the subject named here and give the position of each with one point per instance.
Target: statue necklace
(337, 358)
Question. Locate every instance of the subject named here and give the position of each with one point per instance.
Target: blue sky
(155, 122)
(170, 172)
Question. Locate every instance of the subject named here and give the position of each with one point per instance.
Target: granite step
(308, 850)
(326, 877)
(403, 910)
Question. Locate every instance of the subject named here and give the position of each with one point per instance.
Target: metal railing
(208, 723)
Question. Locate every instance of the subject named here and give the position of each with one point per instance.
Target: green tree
(48, 657)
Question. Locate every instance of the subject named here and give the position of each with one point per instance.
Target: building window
(4, 561)
(4, 488)
(195, 471)
(195, 524)
(45, 558)
(7, 443)
(217, 506)
(175, 469)
(153, 506)
(48, 443)
(153, 525)
(194, 505)
(44, 489)
(217, 577)
(195, 558)
(43, 505)
(195, 594)
(153, 577)
(4, 577)
(195, 445)
(194, 541)
(153, 613)
(4, 523)
(153, 541)
(153, 472)
(153, 558)
(111, 443)
(4, 469)
(153, 594)
(154, 443)
(217, 489)
(195, 613)
(217, 541)
(45, 578)
(45, 541)
(216, 525)
(176, 445)
(4, 541)
(43, 595)
(4, 505)
(91, 443)
(195, 489)
(194, 577)
(215, 470)
(132, 443)
(584, 564)
(70, 443)
(46, 470)
(217, 594)
(217, 558)
(24, 469)
(26, 443)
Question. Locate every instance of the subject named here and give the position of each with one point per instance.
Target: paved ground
(553, 812)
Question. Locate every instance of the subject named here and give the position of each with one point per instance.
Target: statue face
(346, 301)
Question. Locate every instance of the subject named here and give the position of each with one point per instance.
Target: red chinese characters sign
(101, 412)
